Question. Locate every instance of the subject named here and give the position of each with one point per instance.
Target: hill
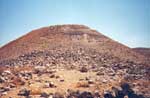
(143, 51)
(71, 61)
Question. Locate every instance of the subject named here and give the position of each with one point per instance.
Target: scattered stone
(90, 81)
(87, 78)
(96, 95)
(12, 85)
(4, 93)
(100, 73)
(44, 95)
(58, 95)
(57, 77)
(52, 76)
(4, 89)
(24, 92)
(86, 95)
(104, 80)
(107, 94)
(51, 84)
(2, 79)
(73, 94)
(83, 69)
(46, 85)
(82, 84)
(62, 80)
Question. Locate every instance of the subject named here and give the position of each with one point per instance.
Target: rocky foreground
(36, 75)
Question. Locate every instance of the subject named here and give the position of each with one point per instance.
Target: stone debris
(44, 67)
(52, 85)
(24, 92)
(4, 89)
(44, 95)
(83, 69)
(84, 84)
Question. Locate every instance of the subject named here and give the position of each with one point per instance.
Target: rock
(58, 95)
(107, 94)
(126, 88)
(6, 72)
(52, 76)
(46, 85)
(62, 80)
(96, 95)
(126, 97)
(24, 92)
(82, 84)
(18, 81)
(117, 92)
(100, 73)
(104, 80)
(12, 85)
(73, 94)
(2, 80)
(87, 78)
(85, 95)
(57, 77)
(4, 89)
(51, 84)
(90, 81)
(83, 69)
(4, 93)
(44, 95)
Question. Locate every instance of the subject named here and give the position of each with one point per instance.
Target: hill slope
(143, 51)
(66, 36)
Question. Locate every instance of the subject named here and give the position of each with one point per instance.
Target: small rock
(82, 84)
(62, 80)
(87, 78)
(12, 85)
(104, 80)
(44, 95)
(58, 95)
(83, 69)
(46, 85)
(52, 76)
(4, 93)
(4, 89)
(57, 77)
(51, 84)
(24, 92)
(85, 95)
(1, 80)
(100, 73)
(107, 94)
(96, 95)
(90, 81)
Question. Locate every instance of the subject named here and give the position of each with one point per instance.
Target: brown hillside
(67, 36)
(71, 61)
(143, 51)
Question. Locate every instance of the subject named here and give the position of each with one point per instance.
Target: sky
(125, 21)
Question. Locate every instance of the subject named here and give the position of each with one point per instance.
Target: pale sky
(126, 21)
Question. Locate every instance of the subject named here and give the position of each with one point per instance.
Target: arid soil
(72, 61)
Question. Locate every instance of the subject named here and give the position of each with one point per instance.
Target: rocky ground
(72, 74)
(71, 61)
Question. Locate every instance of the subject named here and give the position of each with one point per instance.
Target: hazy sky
(126, 21)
